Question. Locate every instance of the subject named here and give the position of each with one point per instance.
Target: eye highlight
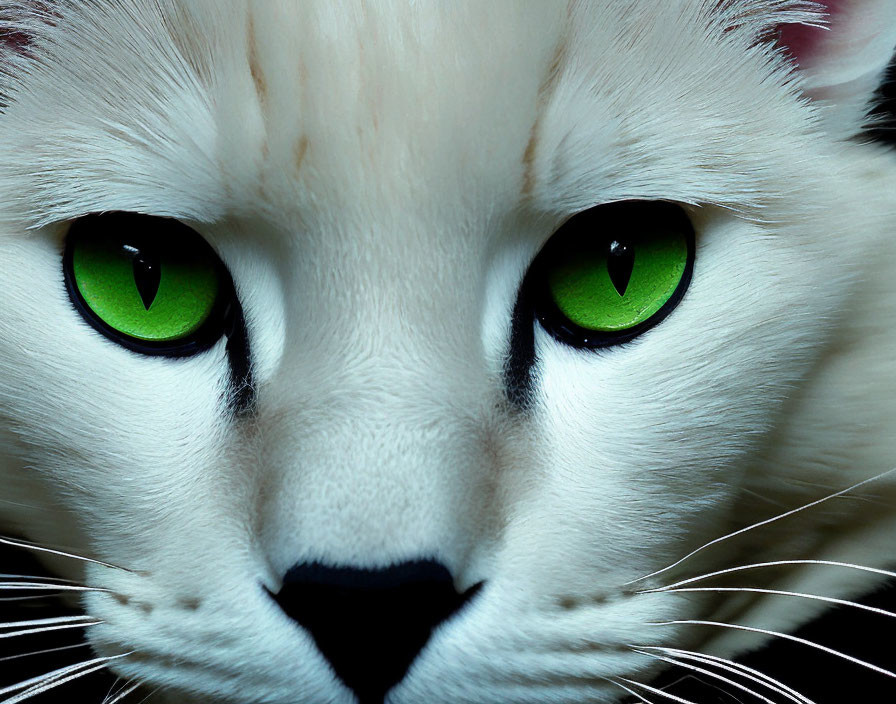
(151, 284)
(612, 272)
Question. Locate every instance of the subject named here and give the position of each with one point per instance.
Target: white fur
(378, 201)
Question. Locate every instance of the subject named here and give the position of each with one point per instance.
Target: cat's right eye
(612, 272)
(151, 284)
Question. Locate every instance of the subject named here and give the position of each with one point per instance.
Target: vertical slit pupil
(147, 274)
(620, 263)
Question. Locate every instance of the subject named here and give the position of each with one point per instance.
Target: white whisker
(61, 672)
(54, 674)
(629, 690)
(39, 578)
(786, 636)
(43, 652)
(32, 597)
(112, 689)
(739, 669)
(21, 505)
(763, 498)
(57, 682)
(128, 689)
(781, 592)
(766, 522)
(32, 631)
(654, 690)
(38, 586)
(149, 695)
(708, 673)
(30, 546)
(774, 563)
(46, 621)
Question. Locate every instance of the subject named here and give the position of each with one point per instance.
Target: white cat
(403, 380)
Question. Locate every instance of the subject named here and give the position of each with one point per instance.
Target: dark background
(823, 678)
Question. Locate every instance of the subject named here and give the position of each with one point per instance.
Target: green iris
(612, 283)
(150, 286)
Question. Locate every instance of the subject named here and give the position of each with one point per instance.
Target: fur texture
(378, 176)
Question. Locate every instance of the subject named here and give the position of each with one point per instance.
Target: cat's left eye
(152, 284)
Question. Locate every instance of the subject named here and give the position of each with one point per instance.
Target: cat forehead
(394, 107)
(321, 109)
(486, 105)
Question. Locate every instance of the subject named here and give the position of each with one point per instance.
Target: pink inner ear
(803, 41)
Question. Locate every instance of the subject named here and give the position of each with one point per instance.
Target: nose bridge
(391, 310)
(386, 368)
(376, 411)
(372, 416)
(377, 455)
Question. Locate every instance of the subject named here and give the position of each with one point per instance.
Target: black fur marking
(885, 110)
(519, 381)
(242, 398)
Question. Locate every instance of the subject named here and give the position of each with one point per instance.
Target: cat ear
(843, 62)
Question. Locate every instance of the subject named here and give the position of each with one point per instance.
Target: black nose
(370, 624)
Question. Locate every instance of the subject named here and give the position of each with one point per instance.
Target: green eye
(613, 271)
(152, 284)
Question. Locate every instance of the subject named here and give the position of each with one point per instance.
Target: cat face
(384, 389)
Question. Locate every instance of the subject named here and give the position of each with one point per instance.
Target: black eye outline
(608, 218)
(224, 318)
